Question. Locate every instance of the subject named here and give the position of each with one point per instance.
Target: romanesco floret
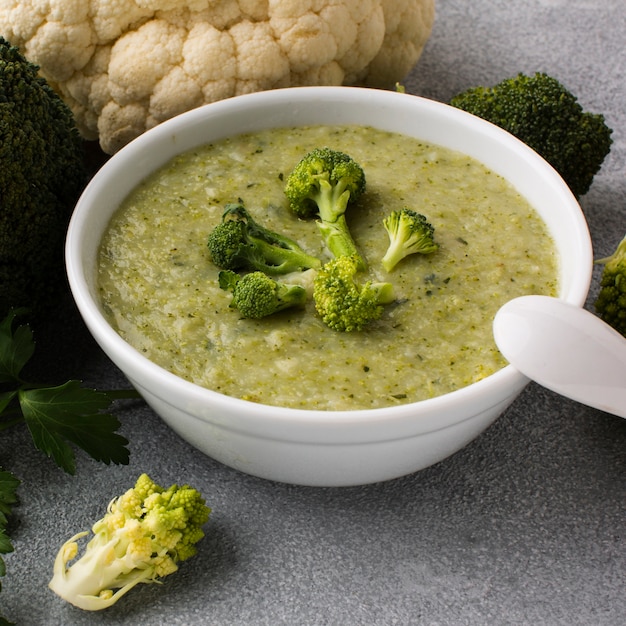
(323, 183)
(542, 113)
(345, 304)
(257, 295)
(239, 242)
(143, 536)
(409, 233)
(610, 303)
(42, 173)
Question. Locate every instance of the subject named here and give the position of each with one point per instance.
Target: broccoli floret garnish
(345, 304)
(610, 304)
(142, 537)
(322, 184)
(409, 233)
(542, 113)
(42, 173)
(238, 242)
(256, 295)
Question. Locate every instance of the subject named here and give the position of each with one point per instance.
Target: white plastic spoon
(566, 349)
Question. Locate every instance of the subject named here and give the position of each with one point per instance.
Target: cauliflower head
(124, 66)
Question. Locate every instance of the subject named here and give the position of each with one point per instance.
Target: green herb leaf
(16, 347)
(8, 497)
(70, 413)
(5, 399)
(8, 493)
(5, 547)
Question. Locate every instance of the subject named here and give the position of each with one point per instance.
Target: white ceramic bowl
(312, 447)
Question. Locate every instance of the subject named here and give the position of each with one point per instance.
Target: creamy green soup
(159, 287)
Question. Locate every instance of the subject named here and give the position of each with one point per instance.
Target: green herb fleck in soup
(160, 289)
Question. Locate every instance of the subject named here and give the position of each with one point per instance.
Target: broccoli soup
(159, 287)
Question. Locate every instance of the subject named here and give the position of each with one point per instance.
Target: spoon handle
(566, 349)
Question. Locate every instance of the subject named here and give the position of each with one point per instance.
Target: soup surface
(160, 291)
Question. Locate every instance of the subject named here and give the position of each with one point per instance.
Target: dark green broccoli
(240, 243)
(322, 184)
(409, 233)
(256, 295)
(611, 301)
(345, 304)
(42, 173)
(542, 113)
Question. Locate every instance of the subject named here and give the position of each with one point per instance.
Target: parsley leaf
(58, 417)
(8, 497)
(16, 348)
(5, 399)
(70, 412)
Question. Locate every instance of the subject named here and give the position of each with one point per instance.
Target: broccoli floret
(42, 172)
(345, 304)
(322, 184)
(542, 113)
(409, 233)
(142, 537)
(241, 243)
(256, 295)
(610, 304)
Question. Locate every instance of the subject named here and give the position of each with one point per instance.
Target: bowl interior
(431, 121)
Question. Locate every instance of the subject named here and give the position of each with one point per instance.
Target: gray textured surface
(524, 526)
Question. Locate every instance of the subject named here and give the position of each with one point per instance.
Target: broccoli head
(238, 242)
(610, 303)
(322, 184)
(42, 173)
(142, 537)
(344, 303)
(542, 113)
(256, 295)
(409, 233)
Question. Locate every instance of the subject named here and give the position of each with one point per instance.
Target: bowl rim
(138, 368)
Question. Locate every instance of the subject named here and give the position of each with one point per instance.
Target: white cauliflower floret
(407, 28)
(124, 66)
